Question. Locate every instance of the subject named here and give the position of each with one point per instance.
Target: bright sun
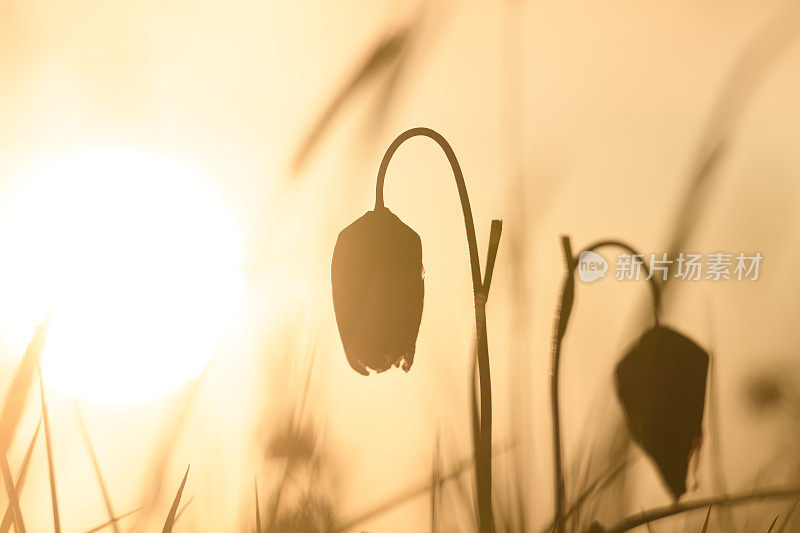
(139, 263)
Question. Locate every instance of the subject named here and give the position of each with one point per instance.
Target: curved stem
(472, 242)
(655, 289)
(658, 513)
(480, 289)
(562, 320)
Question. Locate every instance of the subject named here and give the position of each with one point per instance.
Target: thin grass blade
(171, 517)
(436, 483)
(182, 509)
(5, 526)
(13, 497)
(386, 50)
(17, 394)
(258, 510)
(705, 522)
(111, 522)
(15, 401)
(409, 494)
(659, 513)
(97, 470)
(51, 469)
(787, 520)
(737, 90)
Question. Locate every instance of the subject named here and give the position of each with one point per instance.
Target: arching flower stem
(562, 320)
(480, 289)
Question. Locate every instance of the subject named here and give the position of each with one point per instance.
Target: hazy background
(578, 118)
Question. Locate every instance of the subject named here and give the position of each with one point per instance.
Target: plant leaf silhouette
(385, 51)
(8, 518)
(106, 524)
(661, 384)
(772, 525)
(51, 470)
(172, 517)
(378, 289)
(705, 522)
(17, 391)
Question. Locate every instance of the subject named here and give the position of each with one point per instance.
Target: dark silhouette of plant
(562, 321)
(376, 273)
(661, 384)
(377, 280)
(676, 508)
(172, 517)
(630, 370)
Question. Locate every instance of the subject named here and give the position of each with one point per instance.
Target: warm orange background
(578, 118)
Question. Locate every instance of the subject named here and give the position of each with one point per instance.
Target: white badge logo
(591, 266)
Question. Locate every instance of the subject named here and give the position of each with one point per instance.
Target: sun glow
(138, 262)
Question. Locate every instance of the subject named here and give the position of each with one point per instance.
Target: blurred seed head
(765, 392)
(310, 515)
(294, 444)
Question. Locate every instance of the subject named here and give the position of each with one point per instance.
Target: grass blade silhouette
(740, 84)
(598, 483)
(410, 493)
(258, 511)
(772, 525)
(648, 525)
(386, 50)
(172, 432)
(51, 470)
(436, 483)
(13, 497)
(111, 522)
(171, 517)
(14, 405)
(182, 509)
(658, 513)
(705, 522)
(97, 470)
(5, 526)
(17, 393)
(789, 514)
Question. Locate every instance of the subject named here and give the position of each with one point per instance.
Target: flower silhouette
(661, 384)
(378, 287)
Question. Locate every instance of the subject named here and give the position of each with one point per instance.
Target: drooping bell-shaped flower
(378, 286)
(661, 384)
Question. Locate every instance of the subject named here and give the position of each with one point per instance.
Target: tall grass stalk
(9, 516)
(51, 469)
(705, 522)
(258, 504)
(15, 401)
(13, 497)
(96, 465)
